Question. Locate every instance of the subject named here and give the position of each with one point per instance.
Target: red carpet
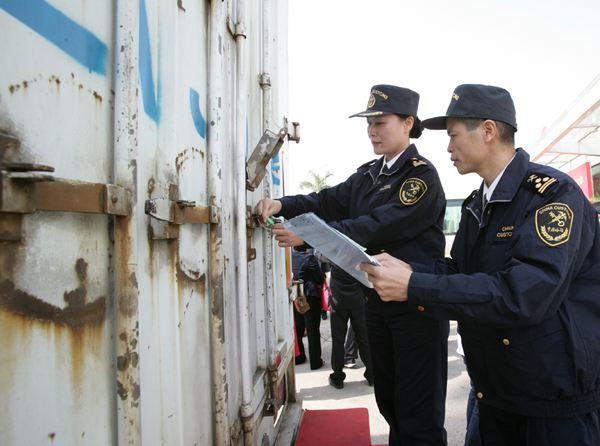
(340, 427)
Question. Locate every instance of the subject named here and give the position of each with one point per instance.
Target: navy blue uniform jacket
(400, 212)
(524, 284)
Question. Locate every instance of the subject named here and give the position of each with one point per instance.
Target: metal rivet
(506, 342)
(479, 395)
(114, 198)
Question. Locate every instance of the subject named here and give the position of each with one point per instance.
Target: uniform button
(506, 342)
(479, 395)
(421, 308)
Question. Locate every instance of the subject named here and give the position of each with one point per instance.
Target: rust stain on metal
(11, 227)
(54, 79)
(97, 97)
(130, 358)
(192, 277)
(76, 314)
(186, 155)
(133, 280)
(151, 186)
(135, 394)
(216, 277)
(128, 293)
(121, 391)
(51, 435)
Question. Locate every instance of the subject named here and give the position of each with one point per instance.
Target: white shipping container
(138, 305)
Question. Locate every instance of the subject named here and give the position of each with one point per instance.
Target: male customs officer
(523, 282)
(393, 204)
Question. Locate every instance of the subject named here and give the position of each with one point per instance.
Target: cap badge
(412, 190)
(553, 223)
(380, 94)
(455, 96)
(371, 101)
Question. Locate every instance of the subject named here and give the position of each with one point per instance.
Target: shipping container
(139, 301)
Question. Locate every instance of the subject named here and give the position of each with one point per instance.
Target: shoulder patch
(412, 190)
(553, 223)
(367, 164)
(541, 183)
(417, 162)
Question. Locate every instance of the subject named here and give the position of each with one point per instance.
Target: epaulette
(469, 198)
(416, 162)
(367, 164)
(541, 183)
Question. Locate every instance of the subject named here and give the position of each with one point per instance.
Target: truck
(140, 302)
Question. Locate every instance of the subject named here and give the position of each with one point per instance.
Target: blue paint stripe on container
(149, 98)
(276, 170)
(199, 121)
(50, 23)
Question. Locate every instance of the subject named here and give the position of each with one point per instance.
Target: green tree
(316, 182)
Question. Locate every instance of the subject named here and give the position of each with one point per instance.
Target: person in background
(350, 349)
(394, 204)
(305, 267)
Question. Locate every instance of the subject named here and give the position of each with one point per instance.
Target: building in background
(572, 143)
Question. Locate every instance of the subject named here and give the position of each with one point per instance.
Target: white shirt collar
(489, 191)
(391, 162)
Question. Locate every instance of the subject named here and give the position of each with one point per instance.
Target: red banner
(583, 176)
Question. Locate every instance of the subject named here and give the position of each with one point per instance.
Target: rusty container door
(174, 311)
(56, 99)
(119, 254)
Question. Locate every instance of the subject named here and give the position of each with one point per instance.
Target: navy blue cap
(479, 102)
(389, 99)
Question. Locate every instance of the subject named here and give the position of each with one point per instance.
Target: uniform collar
(506, 188)
(489, 191)
(409, 152)
(391, 162)
(512, 178)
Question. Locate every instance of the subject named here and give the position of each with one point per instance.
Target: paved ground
(316, 393)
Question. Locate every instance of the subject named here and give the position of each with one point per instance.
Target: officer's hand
(386, 259)
(285, 237)
(267, 207)
(390, 280)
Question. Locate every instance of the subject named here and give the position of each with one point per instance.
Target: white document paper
(337, 247)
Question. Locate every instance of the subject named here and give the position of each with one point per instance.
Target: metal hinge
(26, 188)
(266, 149)
(29, 192)
(293, 131)
(181, 212)
(268, 146)
(168, 214)
(251, 224)
(236, 29)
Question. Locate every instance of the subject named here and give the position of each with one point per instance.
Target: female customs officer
(394, 204)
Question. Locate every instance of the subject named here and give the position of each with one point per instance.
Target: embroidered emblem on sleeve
(541, 183)
(553, 223)
(412, 190)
